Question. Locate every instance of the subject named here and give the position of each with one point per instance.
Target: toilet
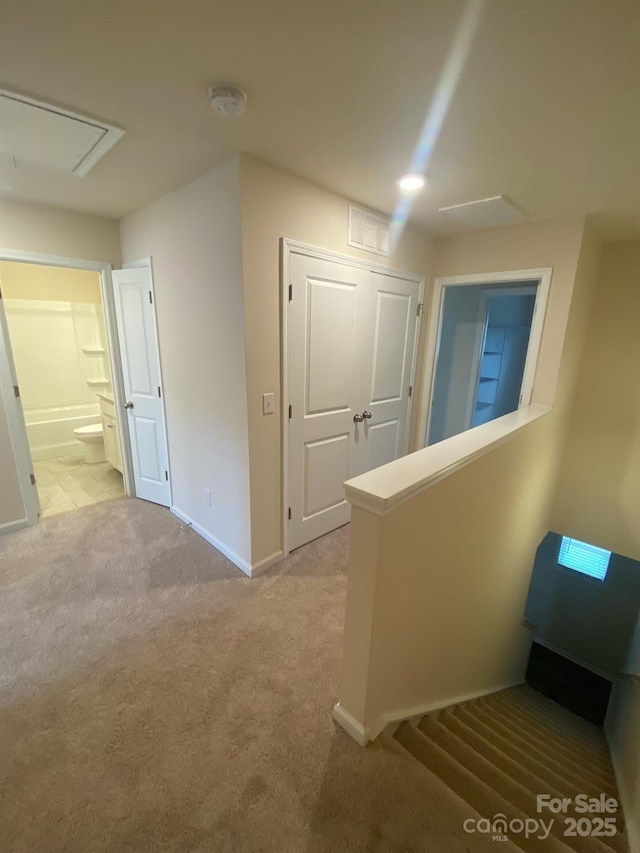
(92, 438)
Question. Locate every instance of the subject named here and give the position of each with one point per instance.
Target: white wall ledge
(382, 490)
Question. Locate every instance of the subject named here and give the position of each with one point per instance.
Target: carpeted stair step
(510, 789)
(577, 728)
(476, 792)
(540, 748)
(599, 766)
(546, 736)
(526, 691)
(518, 767)
(539, 777)
(526, 754)
(549, 719)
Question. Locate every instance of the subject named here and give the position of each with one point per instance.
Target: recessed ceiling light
(412, 182)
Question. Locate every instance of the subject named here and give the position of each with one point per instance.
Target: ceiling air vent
(368, 231)
(35, 132)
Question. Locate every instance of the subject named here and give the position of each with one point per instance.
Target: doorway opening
(59, 346)
(485, 353)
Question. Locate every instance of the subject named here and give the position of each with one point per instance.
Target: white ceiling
(547, 111)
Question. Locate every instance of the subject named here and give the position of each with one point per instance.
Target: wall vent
(34, 132)
(368, 231)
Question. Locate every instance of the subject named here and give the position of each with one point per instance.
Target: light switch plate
(268, 402)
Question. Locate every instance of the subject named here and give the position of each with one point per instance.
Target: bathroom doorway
(56, 326)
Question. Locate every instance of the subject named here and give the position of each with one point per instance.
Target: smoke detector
(228, 100)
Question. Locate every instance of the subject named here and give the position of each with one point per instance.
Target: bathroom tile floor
(67, 483)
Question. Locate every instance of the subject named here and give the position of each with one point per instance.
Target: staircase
(499, 752)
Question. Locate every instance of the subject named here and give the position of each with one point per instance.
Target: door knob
(367, 415)
(128, 405)
(357, 419)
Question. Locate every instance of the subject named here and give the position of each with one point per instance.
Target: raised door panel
(384, 442)
(391, 342)
(330, 346)
(325, 470)
(137, 363)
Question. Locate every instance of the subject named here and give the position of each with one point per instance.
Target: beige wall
(554, 243)
(277, 204)
(49, 231)
(194, 238)
(45, 230)
(449, 580)
(598, 498)
(36, 281)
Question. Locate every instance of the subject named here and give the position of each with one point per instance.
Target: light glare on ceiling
(411, 183)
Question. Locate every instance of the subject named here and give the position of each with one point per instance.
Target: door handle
(366, 415)
(128, 406)
(357, 419)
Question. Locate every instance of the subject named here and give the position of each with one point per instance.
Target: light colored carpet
(152, 698)
(499, 752)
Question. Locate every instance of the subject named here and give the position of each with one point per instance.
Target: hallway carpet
(153, 698)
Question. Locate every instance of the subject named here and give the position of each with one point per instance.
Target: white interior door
(393, 308)
(351, 345)
(327, 324)
(137, 334)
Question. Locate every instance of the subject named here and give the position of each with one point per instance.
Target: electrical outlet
(268, 403)
(207, 497)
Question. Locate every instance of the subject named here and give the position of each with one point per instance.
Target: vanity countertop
(107, 396)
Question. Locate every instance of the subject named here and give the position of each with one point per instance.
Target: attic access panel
(40, 133)
(485, 213)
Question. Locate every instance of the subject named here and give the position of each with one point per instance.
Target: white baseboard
(249, 569)
(352, 727)
(12, 526)
(219, 546)
(263, 565)
(390, 721)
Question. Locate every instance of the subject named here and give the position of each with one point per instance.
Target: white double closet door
(352, 335)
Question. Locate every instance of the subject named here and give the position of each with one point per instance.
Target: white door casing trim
(542, 275)
(15, 417)
(289, 247)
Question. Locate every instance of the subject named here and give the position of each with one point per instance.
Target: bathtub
(50, 431)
